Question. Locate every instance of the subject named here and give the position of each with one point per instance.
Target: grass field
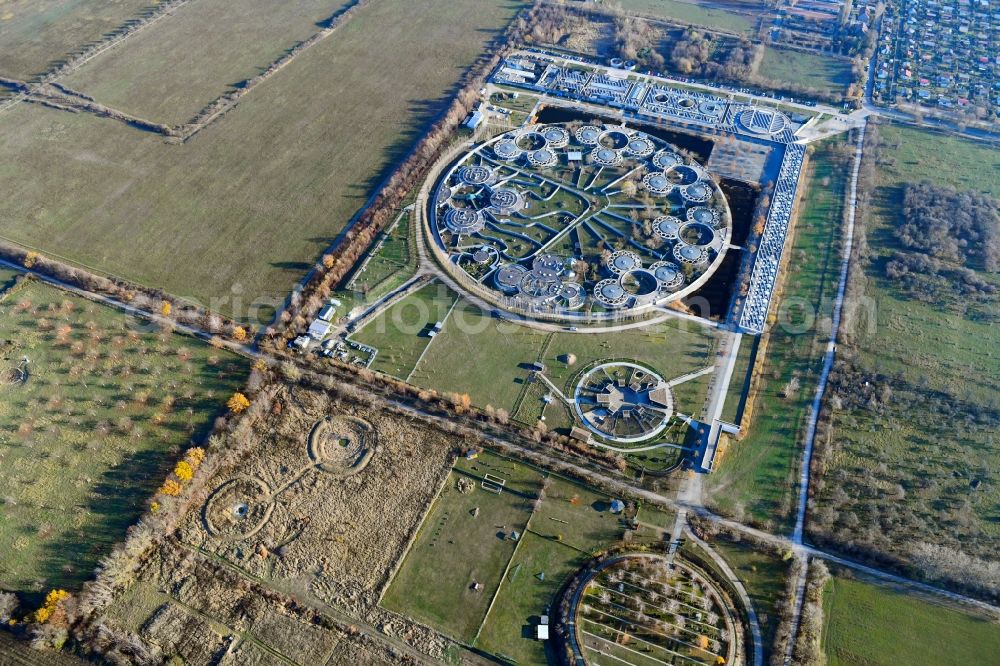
(870, 625)
(557, 534)
(250, 202)
(474, 548)
(755, 478)
(400, 331)
(389, 267)
(487, 358)
(106, 409)
(764, 577)
(164, 75)
(935, 363)
(537, 571)
(33, 33)
(825, 74)
(532, 407)
(738, 383)
(691, 13)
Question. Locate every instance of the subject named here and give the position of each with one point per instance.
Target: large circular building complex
(578, 221)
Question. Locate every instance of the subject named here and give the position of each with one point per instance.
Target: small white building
(574, 156)
(542, 630)
(475, 119)
(327, 313)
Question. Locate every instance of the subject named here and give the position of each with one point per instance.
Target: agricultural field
(825, 74)
(559, 525)
(93, 422)
(876, 626)
(913, 469)
(400, 332)
(164, 75)
(34, 33)
(692, 13)
(754, 479)
(210, 219)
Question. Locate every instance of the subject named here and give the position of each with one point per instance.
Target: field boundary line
(444, 322)
(413, 537)
(223, 103)
(503, 576)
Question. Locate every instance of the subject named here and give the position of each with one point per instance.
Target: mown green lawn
(455, 550)
(825, 74)
(871, 625)
(400, 332)
(537, 571)
(488, 358)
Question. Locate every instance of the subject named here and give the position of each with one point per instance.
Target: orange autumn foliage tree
(52, 600)
(171, 488)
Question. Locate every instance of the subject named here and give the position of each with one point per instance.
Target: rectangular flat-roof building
(319, 329)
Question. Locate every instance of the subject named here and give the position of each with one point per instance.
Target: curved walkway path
(755, 635)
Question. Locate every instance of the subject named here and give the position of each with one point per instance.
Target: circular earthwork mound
(238, 508)
(342, 445)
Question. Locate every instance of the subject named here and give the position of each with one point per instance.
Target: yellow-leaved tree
(195, 456)
(238, 403)
(183, 471)
(52, 600)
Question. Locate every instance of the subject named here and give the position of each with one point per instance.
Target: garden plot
(640, 611)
